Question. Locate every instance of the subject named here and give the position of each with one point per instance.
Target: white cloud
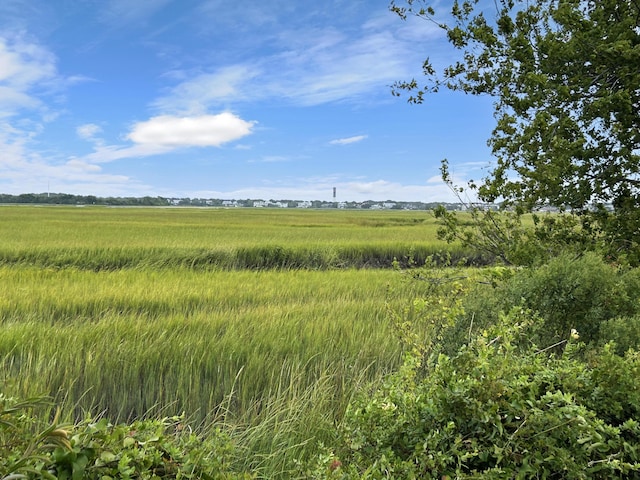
(347, 141)
(22, 170)
(200, 131)
(110, 153)
(88, 131)
(165, 133)
(24, 66)
(80, 166)
(11, 100)
(348, 70)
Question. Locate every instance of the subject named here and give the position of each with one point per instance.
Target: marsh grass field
(264, 320)
(102, 238)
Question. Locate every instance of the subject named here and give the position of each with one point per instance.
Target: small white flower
(574, 334)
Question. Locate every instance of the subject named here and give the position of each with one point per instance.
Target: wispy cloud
(110, 153)
(80, 166)
(201, 92)
(88, 131)
(25, 67)
(308, 67)
(28, 78)
(24, 170)
(348, 140)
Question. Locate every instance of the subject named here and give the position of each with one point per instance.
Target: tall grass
(139, 341)
(113, 238)
(255, 320)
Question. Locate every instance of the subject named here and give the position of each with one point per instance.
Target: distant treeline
(69, 199)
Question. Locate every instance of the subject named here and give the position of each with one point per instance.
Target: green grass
(136, 341)
(252, 319)
(101, 238)
(275, 356)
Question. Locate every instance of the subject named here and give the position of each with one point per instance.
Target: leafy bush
(146, 449)
(572, 293)
(582, 293)
(496, 409)
(624, 332)
(25, 439)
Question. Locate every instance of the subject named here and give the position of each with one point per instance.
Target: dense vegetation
(223, 344)
(165, 368)
(128, 314)
(219, 344)
(98, 238)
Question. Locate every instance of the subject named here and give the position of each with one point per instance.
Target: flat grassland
(102, 238)
(248, 316)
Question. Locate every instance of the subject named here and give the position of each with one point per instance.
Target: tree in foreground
(566, 78)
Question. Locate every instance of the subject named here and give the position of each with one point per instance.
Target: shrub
(146, 449)
(571, 293)
(582, 293)
(495, 409)
(624, 332)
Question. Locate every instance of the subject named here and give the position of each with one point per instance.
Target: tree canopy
(566, 78)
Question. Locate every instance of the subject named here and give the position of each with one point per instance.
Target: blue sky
(271, 99)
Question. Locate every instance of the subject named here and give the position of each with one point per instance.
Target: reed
(100, 238)
(257, 321)
(132, 342)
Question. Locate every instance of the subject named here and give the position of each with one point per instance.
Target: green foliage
(497, 408)
(25, 439)
(503, 395)
(564, 78)
(501, 236)
(149, 449)
(508, 236)
(569, 292)
(437, 304)
(623, 331)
